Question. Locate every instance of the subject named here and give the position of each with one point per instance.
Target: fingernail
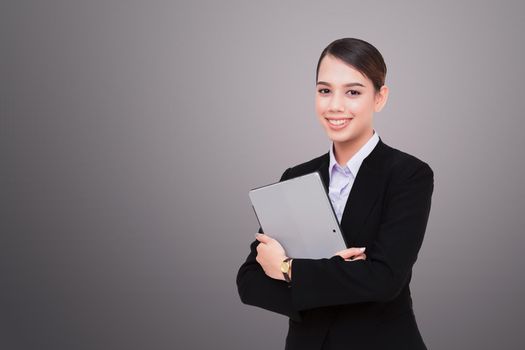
(257, 234)
(362, 249)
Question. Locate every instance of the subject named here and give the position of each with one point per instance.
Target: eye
(323, 91)
(354, 92)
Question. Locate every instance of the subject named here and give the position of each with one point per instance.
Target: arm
(257, 289)
(334, 281)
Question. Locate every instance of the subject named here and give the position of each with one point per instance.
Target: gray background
(132, 131)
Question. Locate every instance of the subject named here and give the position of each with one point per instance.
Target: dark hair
(359, 54)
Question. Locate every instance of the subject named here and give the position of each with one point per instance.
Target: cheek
(359, 107)
(354, 106)
(320, 106)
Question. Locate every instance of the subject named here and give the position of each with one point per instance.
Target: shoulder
(403, 166)
(401, 159)
(385, 159)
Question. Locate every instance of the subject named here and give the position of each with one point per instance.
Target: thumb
(350, 252)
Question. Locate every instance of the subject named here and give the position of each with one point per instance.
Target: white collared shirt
(342, 178)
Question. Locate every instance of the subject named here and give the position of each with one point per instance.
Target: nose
(336, 103)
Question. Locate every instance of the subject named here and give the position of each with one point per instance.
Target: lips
(338, 123)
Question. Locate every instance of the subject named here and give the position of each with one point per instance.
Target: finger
(263, 238)
(353, 250)
(357, 257)
(347, 253)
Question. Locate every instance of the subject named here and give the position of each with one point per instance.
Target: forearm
(390, 258)
(257, 289)
(335, 281)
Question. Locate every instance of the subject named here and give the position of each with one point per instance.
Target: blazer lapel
(323, 170)
(365, 191)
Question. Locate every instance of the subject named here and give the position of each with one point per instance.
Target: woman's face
(346, 101)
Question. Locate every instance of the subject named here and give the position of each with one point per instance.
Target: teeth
(337, 122)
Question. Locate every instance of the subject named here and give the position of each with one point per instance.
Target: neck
(344, 151)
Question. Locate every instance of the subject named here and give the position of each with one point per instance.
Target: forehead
(334, 71)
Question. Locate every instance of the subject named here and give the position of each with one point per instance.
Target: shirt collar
(354, 163)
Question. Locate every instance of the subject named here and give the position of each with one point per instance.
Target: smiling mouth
(338, 121)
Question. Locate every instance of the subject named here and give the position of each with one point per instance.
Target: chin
(340, 137)
(349, 135)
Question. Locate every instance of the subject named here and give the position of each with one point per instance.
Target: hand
(352, 254)
(270, 254)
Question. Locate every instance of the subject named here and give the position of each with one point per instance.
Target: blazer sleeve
(388, 266)
(257, 289)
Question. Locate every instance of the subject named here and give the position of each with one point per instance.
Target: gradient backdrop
(131, 132)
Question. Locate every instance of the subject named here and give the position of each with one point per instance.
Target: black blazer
(366, 304)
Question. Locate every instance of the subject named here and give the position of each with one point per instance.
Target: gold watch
(285, 268)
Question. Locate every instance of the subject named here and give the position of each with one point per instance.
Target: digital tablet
(298, 213)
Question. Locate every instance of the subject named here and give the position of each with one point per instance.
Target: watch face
(285, 265)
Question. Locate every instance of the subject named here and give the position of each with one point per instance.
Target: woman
(359, 298)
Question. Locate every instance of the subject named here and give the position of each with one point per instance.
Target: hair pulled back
(359, 54)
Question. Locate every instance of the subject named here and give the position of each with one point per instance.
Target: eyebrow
(345, 85)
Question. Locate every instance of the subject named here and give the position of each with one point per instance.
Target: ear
(380, 98)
